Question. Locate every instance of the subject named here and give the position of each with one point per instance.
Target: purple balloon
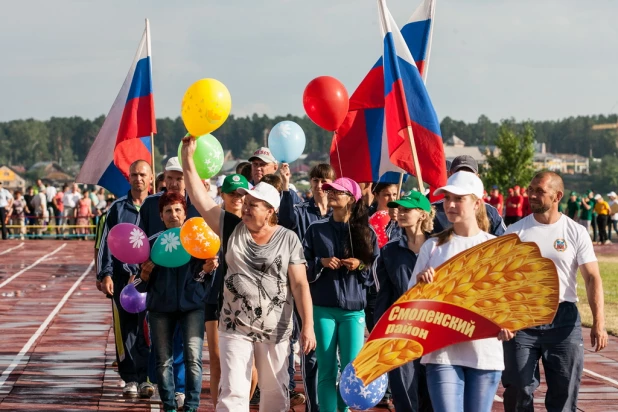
(131, 300)
(128, 243)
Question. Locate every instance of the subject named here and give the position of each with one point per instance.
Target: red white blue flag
(125, 134)
(362, 139)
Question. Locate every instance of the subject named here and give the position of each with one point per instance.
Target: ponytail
(362, 241)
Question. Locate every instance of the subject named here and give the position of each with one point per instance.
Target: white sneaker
(180, 400)
(130, 389)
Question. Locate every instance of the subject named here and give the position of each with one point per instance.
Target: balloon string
(341, 175)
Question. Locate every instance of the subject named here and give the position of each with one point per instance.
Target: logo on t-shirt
(560, 245)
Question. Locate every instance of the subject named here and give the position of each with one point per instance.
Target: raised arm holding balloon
(261, 259)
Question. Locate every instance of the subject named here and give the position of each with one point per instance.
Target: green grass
(609, 274)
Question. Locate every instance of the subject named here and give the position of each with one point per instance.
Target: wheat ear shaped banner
(501, 283)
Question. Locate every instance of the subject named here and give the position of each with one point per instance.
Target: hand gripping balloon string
(341, 175)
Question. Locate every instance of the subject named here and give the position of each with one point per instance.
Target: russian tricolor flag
(362, 139)
(125, 134)
(408, 108)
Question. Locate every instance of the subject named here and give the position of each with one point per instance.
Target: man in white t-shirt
(559, 344)
(6, 200)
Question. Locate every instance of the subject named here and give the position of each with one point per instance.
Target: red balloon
(326, 102)
(379, 221)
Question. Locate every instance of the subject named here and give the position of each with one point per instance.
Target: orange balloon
(198, 239)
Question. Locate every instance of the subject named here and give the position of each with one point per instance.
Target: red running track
(56, 342)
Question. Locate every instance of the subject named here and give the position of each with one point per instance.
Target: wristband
(361, 266)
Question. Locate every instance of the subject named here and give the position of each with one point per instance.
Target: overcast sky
(537, 59)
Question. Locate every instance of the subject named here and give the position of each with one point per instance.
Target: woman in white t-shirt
(464, 376)
(265, 274)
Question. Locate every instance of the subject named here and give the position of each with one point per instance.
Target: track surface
(56, 341)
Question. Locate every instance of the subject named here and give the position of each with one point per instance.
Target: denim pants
(456, 388)
(162, 327)
(561, 347)
(178, 365)
(336, 330)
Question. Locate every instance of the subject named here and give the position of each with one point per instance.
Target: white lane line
(605, 378)
(498, 399)
(17, 359)
(32, 265)
(13, 248)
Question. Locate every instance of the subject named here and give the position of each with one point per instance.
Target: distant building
(559, 162)
(11, 180)
(51, 173)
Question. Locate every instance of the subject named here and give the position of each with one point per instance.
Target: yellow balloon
(205, 106)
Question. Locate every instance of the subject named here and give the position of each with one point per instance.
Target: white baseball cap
(612, 194)
(463, 183)
(265, 192)
(264, 154)
(173, 165)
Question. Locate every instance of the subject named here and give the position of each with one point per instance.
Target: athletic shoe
(296, 398)
(146, 390)
(608, 242)
(180, 400)
(255, 400)
(130, 390)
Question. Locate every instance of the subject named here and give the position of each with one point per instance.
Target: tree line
(67, 140)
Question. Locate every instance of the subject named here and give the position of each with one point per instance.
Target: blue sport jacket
(335, 288)
(121, 211)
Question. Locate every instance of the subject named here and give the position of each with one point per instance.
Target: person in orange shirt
(601, 208)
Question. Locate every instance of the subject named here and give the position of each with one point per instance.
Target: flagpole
(152, 146)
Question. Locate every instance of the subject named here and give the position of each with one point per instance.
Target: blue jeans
(178, 365)
(560, 346)
(162, 331)
(455, 388)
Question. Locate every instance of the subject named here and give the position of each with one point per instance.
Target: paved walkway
(56, 343)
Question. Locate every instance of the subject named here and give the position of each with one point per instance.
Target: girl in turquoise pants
(339, 252)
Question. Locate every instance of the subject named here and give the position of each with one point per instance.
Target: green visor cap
(413, 200)
(233, 182)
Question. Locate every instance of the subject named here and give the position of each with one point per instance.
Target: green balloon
(167, 250)
(208, 156)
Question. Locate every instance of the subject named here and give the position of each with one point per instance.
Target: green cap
(573, 193)
(413, 200)
(233, 182)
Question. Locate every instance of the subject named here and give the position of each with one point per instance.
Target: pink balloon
(128, 243)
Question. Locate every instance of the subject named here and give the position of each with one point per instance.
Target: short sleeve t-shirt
(485, 354)
(257, 300)
(565, 242)
(586, 214)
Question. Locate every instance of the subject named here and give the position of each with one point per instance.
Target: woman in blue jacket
(175, 297)
(339, 251)
(394, 269)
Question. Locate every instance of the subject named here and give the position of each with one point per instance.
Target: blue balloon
(358, 396)
(286, 141)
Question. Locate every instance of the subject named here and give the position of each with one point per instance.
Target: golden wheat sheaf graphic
(503, 280)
